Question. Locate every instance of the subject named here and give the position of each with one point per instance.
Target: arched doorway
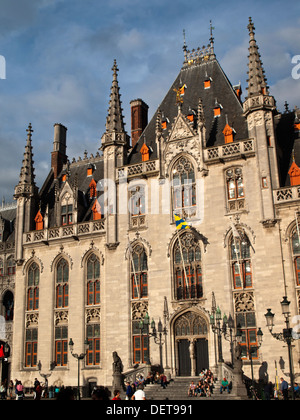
(191, 344)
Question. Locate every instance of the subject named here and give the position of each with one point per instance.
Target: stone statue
(117, 363)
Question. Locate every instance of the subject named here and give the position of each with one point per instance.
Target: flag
(180, 223)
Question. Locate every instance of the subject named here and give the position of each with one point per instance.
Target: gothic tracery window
(62, 284)
(33, 279)
(93, 280)
(296, 255)
(241, 261)
(139, 272)
(184, 188)
(187, 268)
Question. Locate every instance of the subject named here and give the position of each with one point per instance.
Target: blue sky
(59, 55)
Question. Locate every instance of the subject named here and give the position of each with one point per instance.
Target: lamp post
(156, 334)
(215, 323)
(250, 349)
(286, 335)
(229, 322)
(79, 357)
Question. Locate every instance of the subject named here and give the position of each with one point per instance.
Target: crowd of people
(205, 385)
(135, 390)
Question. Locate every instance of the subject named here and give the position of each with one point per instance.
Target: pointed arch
(186, 266)
(182, 173)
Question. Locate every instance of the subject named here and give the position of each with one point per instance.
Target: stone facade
(106, 252)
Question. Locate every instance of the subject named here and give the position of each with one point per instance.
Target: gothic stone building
(97, 249)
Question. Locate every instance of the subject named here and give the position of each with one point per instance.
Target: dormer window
(294, 174)
(96, 209)
(89, 171)
(191, 115)
(66, 214)
(228, 134)
(296, 127)
(93, 189)
(217, 109)
(145, 152)
(207, 82)
(39, 222)
(165, 123)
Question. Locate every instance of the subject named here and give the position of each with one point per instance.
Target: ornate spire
(26, 181)
(114, 121)
(257, 82)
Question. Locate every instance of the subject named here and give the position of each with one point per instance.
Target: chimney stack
(139, 119)
(58, 156)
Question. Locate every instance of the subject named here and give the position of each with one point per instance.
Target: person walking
(284, 389)
(139, 394)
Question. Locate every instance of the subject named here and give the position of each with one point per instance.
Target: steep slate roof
(221, 91)
(8, 215)
(77, 174)
(288, 143)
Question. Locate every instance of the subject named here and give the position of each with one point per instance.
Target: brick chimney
(139, 119)
(58, 156)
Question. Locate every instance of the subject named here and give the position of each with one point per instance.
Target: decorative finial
(211, 39)
(251, 27)
(115, 69)
(29, 131)
(184, 47)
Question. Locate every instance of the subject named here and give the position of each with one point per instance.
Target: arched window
(241, 261)
(296, 255)
(184, 188)
(187, 268)
(62, 284)
(139, 272)
(93, 280)
(33, 280)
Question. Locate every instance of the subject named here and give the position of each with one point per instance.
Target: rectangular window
(31, 336)
(61, 346)
(140, 353)
(66, 215)
(93, 336)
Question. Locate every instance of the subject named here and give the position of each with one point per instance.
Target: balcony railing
(230, 151)
(75, 230)
(286, 194)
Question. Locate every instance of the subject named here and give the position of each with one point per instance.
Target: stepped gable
(193, 75)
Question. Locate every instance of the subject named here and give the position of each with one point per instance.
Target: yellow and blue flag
(180, 223)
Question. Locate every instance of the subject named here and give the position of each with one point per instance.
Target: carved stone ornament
(139, 310)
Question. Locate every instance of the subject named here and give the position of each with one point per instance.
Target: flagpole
(186, 280)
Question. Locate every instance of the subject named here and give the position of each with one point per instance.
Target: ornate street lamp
(215, 323)
(79, 357)
(229, 322)
(286, 335)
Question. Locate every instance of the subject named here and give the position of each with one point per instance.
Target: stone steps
(177, 389)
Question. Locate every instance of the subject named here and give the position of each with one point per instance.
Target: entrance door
(184, 358)
(201, 355)
(192, 346)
